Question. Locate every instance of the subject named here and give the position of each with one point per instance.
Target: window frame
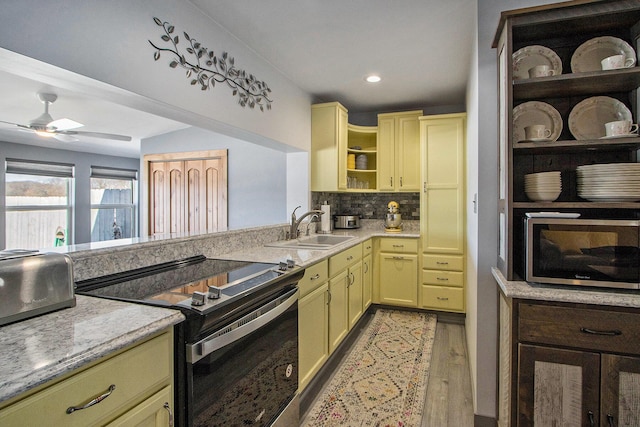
(104, 172)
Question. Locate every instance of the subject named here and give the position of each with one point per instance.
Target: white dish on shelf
(552, 215)
(588, 55)
(607, 198)
(536, 113)
(530, 56)
(587, 118)
(628, 135)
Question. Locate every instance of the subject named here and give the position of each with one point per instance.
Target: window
(113, 210)
(39, 209)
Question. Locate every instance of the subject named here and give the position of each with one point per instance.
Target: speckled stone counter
(37, 350)
(595, 296)
(307, 257)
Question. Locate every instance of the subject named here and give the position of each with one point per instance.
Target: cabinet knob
(316, 277)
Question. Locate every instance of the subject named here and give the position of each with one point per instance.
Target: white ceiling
(420, 48)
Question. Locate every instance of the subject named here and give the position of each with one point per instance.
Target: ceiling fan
(61, 129)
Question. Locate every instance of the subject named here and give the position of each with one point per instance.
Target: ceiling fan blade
(113, 136)
(63, 124)
(11, 123)
(65, 138)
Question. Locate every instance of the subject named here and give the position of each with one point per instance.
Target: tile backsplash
(369, 205)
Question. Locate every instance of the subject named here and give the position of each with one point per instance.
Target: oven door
(246, 373)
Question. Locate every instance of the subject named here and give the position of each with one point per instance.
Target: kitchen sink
(320, 242)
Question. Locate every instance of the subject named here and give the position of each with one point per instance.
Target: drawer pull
(443, 279)
(442, 263)
(398, 257)
(349, 258)
(442, 298)
(316, 277)
(168, 408)
(94, 401)
(592, 420)
(610, 420)
(398, 246)
(595, 332)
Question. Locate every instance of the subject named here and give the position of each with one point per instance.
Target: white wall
(109, 41)
(482, 309)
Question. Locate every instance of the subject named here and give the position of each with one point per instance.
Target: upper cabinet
(348, 157)
(399, 151)
(568, 101)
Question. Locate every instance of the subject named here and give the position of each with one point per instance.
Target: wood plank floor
(448, 401)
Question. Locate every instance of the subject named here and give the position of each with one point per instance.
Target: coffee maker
(393, 219)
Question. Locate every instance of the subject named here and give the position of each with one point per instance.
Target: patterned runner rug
(383, 381)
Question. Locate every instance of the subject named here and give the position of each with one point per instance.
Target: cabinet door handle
(398, 257)
(592, 421)
(168, 408)
(398, 246)
(329, 297)
(610, 420)
(316, 277)
(442, 263)
(349, 258)
(442, 279)
(613, 333)
(366, 267)
(391, 181)
(94, 401)
(442, 298)
(400, 181)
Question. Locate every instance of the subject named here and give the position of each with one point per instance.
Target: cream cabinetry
(345, 293)
(442, 142)
(329, 135)
(313, 321)
(135, 384)
(399, 151)
(367, 274)
(398, 271)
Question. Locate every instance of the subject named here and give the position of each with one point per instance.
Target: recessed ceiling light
(373, 78)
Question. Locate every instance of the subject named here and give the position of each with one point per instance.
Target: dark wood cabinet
(562, 28)
(568, 365)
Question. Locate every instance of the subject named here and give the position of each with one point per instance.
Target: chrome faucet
(295, 222)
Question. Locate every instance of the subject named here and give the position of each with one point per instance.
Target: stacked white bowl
(543, 186)
(609, 182)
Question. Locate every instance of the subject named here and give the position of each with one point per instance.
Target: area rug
(383, 380)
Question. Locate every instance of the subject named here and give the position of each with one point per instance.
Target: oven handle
(241, 327)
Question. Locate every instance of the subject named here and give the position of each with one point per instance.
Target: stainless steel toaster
(32, 284)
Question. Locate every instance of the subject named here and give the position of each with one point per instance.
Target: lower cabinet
(398, 271)
(313, 333)
(568, 365)
(137, 385)
(442, 282)
(338, 309)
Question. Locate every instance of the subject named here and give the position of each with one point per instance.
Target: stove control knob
(291, 263)
(197, 299)
(283, 266)
(214, 292)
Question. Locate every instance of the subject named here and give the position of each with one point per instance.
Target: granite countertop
(307, 257)
(37, 350)
(596, 296)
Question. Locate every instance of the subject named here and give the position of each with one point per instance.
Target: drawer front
(442, 278)
(443, 262)
(313, 277)
(590, 329)
(442, 298)
(136, 374)
(391, 244)
(344, 259)
(367, 248)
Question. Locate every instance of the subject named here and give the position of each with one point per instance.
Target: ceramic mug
(620, 127)
(537, 132)
(616, 61)
(541, 71)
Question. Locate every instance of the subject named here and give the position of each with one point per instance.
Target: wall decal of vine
(205, 68)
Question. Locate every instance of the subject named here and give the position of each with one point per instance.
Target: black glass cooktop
(174, 282)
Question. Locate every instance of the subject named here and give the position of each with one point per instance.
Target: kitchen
(283, 124)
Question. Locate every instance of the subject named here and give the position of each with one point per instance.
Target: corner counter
(569, 294)
(38, 350)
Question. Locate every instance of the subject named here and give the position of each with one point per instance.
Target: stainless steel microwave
(584, 252)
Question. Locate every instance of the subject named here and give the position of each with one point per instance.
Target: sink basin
(319, 242)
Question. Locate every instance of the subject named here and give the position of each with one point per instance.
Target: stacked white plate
(610, 182)
(543, 186)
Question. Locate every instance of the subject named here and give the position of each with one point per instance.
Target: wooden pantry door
(187, 191)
